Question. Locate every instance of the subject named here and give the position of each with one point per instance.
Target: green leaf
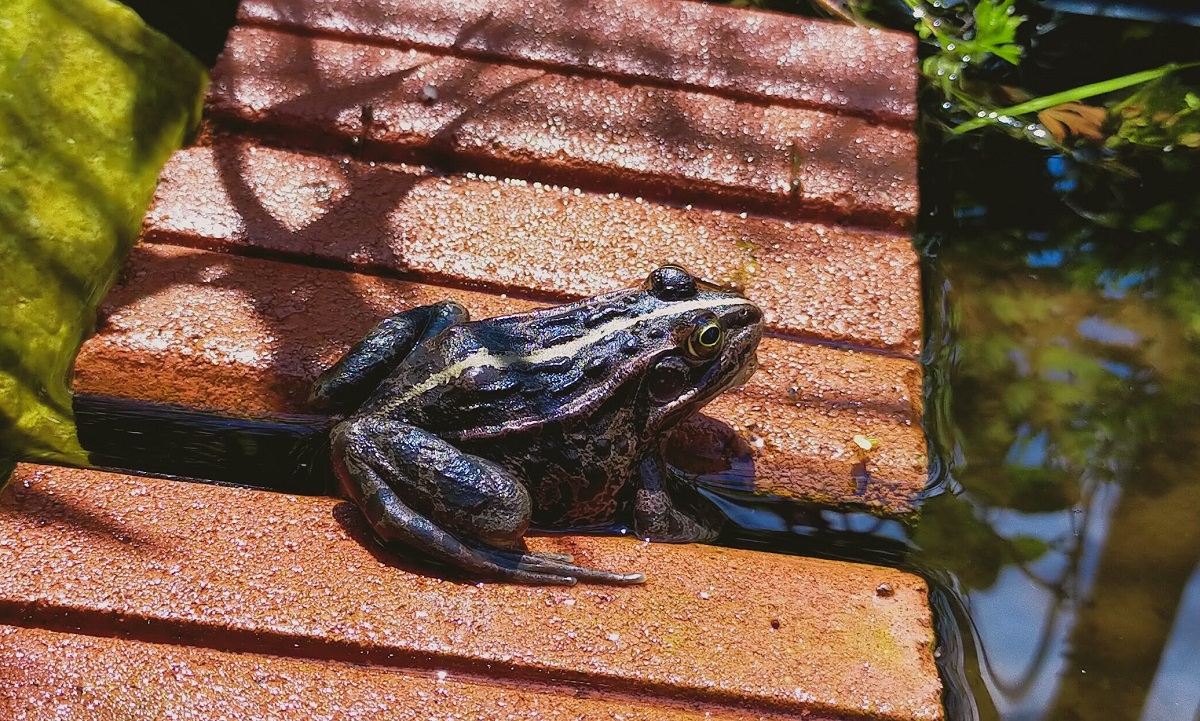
(92, 102)
(1074, 94)
(1028, 548)
(1156, 218)
(996, 27)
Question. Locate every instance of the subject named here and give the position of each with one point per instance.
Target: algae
(92, 103)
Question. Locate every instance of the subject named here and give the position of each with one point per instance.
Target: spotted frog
(461, 433)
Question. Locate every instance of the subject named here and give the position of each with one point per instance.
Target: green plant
(964, 42)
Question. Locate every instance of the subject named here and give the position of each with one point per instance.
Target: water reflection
(1174, 688)
(1067, 529)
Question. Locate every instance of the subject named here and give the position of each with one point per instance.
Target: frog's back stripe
(568, 348)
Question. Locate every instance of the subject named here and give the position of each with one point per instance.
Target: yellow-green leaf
(92, 102)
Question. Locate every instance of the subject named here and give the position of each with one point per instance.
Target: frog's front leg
(658, 517)
(349, 382)
(418, 490)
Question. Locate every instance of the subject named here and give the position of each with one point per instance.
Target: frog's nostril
(747, 314)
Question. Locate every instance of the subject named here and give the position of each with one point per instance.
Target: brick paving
(534, 239)
(663, 143)
(552, 152)
(152, 561)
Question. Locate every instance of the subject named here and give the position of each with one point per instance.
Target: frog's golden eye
(705, 340)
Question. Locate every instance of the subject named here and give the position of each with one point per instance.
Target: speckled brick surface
(56, 675)
(240, 570)
(601, 134)
(248, 336)
(820, 282)
(756, 55)
(768, 152)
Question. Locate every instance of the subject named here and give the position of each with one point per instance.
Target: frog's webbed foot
(395, 522)
(459, 496)
(658, 517)
(561, 563)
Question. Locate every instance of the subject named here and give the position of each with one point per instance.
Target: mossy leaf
(92, 102)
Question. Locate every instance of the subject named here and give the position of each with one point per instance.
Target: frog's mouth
(748, 369)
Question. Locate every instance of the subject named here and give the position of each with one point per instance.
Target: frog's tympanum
(461, 434)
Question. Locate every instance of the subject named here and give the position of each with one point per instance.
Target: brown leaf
(1073, 118)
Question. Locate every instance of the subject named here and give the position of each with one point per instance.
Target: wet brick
(825, 283)
(155, 561)
(512, 121)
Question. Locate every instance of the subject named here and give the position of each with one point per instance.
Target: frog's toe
(609, 578)
(520, 575)
(560, 563)
(549, 556)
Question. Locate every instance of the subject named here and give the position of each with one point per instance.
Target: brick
(238, 335)
(826, 283)
(676, 145)
(246, 571)
(248, 336)
(52, 675)
(227, 602)
(736, 52)
(801, 413)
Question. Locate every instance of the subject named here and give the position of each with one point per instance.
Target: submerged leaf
(1028, 548)
(1160, 114)
(1077, 119)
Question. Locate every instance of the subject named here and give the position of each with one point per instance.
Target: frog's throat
(485, 358)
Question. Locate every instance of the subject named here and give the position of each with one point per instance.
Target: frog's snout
(746, 329)
(748, 314)
(748, 369)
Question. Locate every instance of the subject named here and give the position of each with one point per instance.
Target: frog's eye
(705, 340)
(671, 282)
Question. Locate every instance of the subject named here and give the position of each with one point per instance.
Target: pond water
(1064, 537)
(1062, 531)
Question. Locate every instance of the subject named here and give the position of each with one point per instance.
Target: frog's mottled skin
(470, 431)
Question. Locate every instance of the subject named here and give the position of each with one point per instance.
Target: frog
(458, 436)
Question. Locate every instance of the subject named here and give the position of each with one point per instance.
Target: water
(1064, 357)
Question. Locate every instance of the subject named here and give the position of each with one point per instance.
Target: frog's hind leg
(420, 491)
(350, 381)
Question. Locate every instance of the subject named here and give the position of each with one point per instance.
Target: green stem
(1074, 94)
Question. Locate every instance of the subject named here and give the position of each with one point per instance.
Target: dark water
(1064, 353)
(1062, 532)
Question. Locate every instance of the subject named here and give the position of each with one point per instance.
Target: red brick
(741, 53)
(226, 333)
(247, 336)
(223, 602)
(52, 675)
(250, 571)
(801, 412)
(668, 144)
(827, 283)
